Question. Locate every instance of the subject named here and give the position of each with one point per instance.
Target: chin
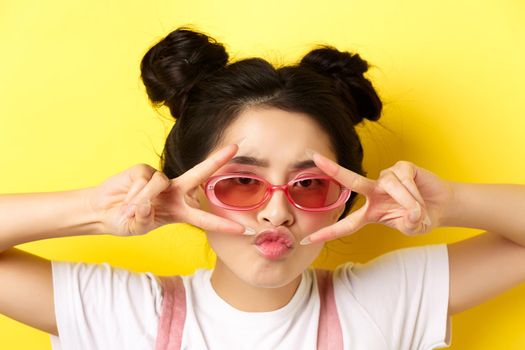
(269, 280)
(264, 274)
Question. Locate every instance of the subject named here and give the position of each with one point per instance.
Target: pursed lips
(279, 234)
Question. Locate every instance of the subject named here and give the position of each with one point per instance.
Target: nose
(277, 211)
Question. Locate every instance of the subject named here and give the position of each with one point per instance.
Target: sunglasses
(248, 192)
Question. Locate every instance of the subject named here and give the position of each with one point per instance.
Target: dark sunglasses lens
(315, 192)
(241, 192)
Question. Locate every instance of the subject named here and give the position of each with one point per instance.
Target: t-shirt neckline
(221, 307)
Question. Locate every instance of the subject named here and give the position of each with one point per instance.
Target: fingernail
(241, 142)
(310, 153)
(427, 221)
(144, 207)
(305, 241)
(249, 231)
(415, 213)
(329, 167)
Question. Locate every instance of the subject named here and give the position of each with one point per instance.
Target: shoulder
(103, 304)
(403, 294)
(104, 278)
(408, 263)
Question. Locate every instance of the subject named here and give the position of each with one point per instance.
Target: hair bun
(176, 63)
(346, 71)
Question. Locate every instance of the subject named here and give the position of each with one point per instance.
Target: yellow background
(73, 112)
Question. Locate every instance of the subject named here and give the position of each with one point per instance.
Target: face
(274, 147)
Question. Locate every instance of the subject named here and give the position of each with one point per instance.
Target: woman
(268, 163)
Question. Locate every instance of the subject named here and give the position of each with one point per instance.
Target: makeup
(274, 244)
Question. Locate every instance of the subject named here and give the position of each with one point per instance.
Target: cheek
(242, 217)
(311, 222)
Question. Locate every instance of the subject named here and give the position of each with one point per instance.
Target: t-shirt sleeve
(98, 306)
(405, 293)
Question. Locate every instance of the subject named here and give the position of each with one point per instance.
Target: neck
(249, 298)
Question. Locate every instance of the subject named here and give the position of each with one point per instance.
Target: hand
(141, 199)
(405, 197)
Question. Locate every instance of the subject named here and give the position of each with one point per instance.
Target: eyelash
(297, 177)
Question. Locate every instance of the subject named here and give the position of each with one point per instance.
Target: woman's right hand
(140, 199)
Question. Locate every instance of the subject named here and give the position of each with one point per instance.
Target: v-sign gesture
(405, 197)
(142, 198)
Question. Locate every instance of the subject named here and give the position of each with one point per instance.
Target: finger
(412, 188)
(406, 173)
(347, 226)
(144, 218)
(395, 189)
(348, 178)
(158, 183)
(202, 171)
(214, 223)
(410, 228)
(135, 189)
(139, 176)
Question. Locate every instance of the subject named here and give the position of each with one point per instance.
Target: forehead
(277, 136)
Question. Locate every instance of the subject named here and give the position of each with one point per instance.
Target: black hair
(188, 72)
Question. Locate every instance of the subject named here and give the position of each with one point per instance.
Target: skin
(141, 199)
(242, 277)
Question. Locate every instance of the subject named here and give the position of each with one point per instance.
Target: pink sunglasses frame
(270, 188)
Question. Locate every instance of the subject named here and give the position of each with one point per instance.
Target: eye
(305, 183)
(310, 184)
(245, 180)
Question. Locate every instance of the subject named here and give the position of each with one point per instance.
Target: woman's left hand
(405, 197)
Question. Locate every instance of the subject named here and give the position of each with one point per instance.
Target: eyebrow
(246, 160)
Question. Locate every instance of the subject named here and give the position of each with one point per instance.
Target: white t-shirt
(396, 301)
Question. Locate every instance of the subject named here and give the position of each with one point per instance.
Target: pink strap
(171, 322)
(329, 334)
